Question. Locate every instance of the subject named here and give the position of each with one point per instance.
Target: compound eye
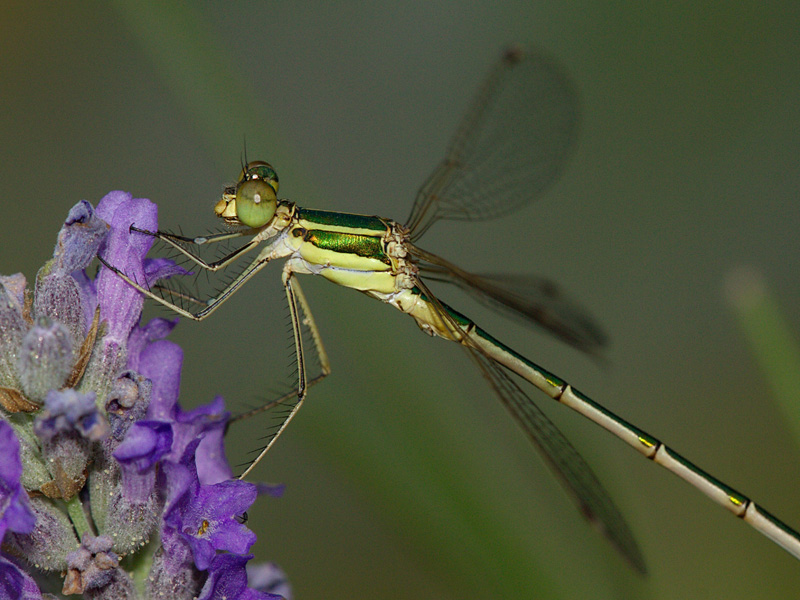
(258, 169)
(256, 202)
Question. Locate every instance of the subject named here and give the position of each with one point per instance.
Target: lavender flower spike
(108, 488)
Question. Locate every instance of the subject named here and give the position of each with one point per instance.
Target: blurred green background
(405, 478)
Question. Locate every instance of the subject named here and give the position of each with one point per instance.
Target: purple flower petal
(161, 268)
(161, 362)
(210, 524)
(141, 337)
(207, 422)
(227, 578)
(120, 304)
(206, 515)
(15, 510)
(15, 583)
(144, 445)
(178, 480)
(87, 288)
(212, 466)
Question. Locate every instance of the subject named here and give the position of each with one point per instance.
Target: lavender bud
(12, 327)
(58, 297)
(94, 571)
(53, 537)
(45, 359)
(127, 402)
(80, 237)
(69, 411)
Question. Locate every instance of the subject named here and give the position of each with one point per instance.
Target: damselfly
(511, 144)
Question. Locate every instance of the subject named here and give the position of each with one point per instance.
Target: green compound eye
(258, 169)
(256, 202)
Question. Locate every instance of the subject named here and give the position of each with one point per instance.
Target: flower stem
(77, 515)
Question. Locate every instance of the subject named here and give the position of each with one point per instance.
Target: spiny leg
(322, 356)
(294, 295)
(173, 293)
(211, 304)
(177, 241)
(308, 321)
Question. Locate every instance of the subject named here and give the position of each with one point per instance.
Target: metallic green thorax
(343, 220)
(347, 249)
(345, 243)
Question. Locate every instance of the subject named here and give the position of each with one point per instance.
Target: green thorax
(342, 240)
(338, 221)
(343, 244)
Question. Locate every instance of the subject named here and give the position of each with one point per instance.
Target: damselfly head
(254, 199)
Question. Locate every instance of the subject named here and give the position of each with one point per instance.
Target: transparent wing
(533, 301)
(530, 299)
(577, 477)
(564, 460)
(510, 146)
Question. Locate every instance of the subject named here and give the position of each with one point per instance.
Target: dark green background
(405, 479)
